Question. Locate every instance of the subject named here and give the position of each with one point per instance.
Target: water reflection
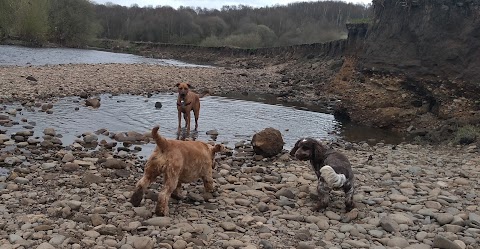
(345, 130)
(22, 56)
(234, 120)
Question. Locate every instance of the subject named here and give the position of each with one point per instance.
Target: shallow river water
(22, 56)
(235, 117)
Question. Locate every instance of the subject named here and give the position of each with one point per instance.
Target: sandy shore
(65, 196)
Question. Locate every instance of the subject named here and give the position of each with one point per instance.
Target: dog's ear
(295, 148)
(214, 149)
(318, 152)
(190, 86)
(217, 148)
(177, 84)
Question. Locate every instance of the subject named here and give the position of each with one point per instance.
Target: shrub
(211, 41)
(360, 20)
(7, 17)
(467, 134)
(32, 21)
(252, 40)
(72, 22)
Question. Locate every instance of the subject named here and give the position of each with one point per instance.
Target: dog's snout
(182, 91)
(302, 155)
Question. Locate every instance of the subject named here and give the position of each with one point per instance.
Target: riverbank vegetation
(78, 22)
(64, 22)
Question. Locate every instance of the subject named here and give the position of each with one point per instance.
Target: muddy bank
(415, 69)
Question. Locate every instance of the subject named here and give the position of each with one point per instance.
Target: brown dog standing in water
(179, 162)
(186, 102)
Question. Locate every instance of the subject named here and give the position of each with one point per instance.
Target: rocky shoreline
(74, 80)
(72, 196)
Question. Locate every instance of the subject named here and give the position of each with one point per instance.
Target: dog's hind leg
(140, 188)
(169, 186)
(177, 193)
(151, 172)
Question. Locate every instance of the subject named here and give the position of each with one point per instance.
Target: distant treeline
(77, 22)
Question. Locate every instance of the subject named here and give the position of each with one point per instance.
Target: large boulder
(268, 142)
(93, 102)
(130, 136)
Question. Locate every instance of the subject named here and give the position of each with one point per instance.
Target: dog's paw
(349, 205)
(216, 189)
(159, 211)
(319, 207)
(351, 215)
(207, 196)
(178, 197)
(136, 198)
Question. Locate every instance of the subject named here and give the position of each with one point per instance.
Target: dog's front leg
(349, 190)
(179, 123)
(208, 187)
(196, 112)
(323, 195)
(187, 120)
(208, 184)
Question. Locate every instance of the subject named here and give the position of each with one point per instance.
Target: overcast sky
(210, 4)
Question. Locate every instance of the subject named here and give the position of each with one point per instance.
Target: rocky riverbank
(74, 80)
(407, 196)
(56, 195)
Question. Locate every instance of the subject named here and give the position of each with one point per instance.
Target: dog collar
(182, 103)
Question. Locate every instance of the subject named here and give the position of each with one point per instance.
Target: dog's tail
(160, 141)
(332, 179)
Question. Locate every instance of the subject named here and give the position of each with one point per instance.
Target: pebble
(228, 226)
(444, 243)
(444, 218)
(45, 245)
(158, 221)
